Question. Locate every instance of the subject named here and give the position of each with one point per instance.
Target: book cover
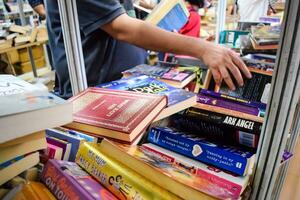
(252, 90)
(205, 99)
(121, 115)
(71, 136)
(14, 167)
(39, 108)
(10, 85)
(190, 123)
(232, 186)
(229, 112)
(225, 157)
(266, 32)
(146, 84)
(162, 173)
(169, 15)
(54, 152)
(66, 146)
(122, 181)
(66, 180)
(174, 76)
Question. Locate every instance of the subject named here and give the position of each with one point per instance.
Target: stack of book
(265, 37)
(26, 110)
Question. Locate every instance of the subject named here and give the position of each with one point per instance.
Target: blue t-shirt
(105, 58)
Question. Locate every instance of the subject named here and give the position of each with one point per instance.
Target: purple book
(66, 146)
(225, 97)
(204, 99)
(66, 180)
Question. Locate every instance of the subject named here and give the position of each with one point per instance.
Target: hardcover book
(43, 109)
(174, 76)
(14, 167)
(66, 180)
(71, 136)
(121, 115)
(122, 181)
(169, 15)
(178, 99)
(66, 146)
(228, 158)
(231, 186)
(162, 173)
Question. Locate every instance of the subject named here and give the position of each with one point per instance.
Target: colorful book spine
(66, 146)
(226, 120)
(122, 181)
(66, 180)
(224, 157)
(230, 184)
(234, 99)
(226, 104)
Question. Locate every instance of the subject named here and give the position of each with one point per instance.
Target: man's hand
(220, 60)
(223, 62)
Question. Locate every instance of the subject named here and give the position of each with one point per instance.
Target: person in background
(192, 27)
(103, 23)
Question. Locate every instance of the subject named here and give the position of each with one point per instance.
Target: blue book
(73, 137)
(178, 99)
(224, 157)
(170, 15)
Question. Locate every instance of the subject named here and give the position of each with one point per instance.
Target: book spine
(234, 99)
(227, 158)
(116, 177)
(226, 120)
(226, 104)
(60, 185)
(202, 171)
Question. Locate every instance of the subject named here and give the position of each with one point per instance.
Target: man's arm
(38, 6)
(221, 61)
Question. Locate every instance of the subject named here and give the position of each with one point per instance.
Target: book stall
(165, 129)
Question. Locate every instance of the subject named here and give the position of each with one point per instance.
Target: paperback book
(219, 182)
(170, 15)
(162, 173)
(123, 182)
(174, 76)
(66, 146)
(66, 180)
(71, 136)
(178, 99)
(228, 158)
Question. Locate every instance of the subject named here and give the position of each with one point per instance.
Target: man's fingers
(235, 72)
(240, 64)
(217, 76)
(226, 76)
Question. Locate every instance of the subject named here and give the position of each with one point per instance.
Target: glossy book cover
(66, 180)
(225, 157)
(146, 84)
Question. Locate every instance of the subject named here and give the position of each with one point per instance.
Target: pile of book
(14, 35)
(265, 37)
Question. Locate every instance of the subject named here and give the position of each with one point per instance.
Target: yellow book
(122, 181)
(173, 179)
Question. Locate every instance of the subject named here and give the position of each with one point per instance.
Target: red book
(120, 115)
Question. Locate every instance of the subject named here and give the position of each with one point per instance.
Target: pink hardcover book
(222, 184)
